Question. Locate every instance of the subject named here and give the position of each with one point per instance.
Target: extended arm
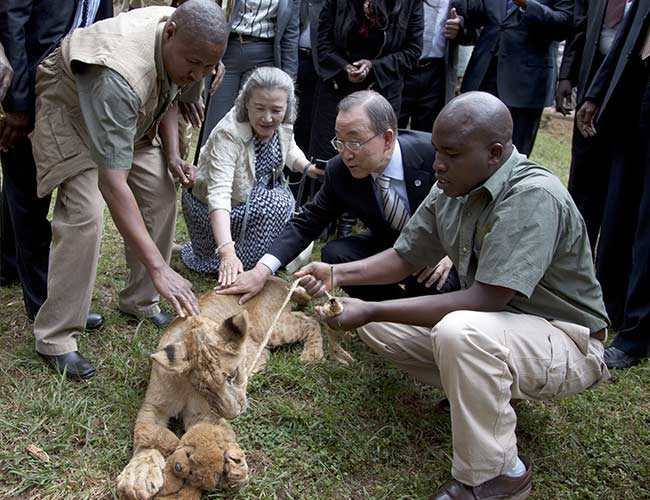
(422, 311)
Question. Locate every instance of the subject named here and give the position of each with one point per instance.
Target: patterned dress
(253, 225)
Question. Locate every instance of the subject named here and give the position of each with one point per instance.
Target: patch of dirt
(556, 125)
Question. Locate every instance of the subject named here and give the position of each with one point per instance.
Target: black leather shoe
(616, 358)
(162, 319)
(94, 321)
(74, 365)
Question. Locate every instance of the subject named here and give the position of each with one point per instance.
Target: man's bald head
(473, 138)
(478, 116)
(194, 41)
(201, 21)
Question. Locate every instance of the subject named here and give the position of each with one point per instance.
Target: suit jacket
(29, 31)
(578, 58)
(285, 43)
(400, 51)
(624, 50)
(343, 193)
(525, 42)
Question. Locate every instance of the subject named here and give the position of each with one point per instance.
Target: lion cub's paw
(312, 355)
(142, 478)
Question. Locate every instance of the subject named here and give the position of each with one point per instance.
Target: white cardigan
(226, 170)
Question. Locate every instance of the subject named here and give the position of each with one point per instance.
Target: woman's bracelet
(219, 247)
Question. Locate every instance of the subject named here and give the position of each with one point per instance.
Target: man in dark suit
(29, 31)
(514, 56)
(620, 97)
(596, 22)
(382, 178)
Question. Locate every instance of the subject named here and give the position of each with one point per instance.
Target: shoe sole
(525, 493)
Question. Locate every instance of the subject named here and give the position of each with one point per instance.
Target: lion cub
(200, 373)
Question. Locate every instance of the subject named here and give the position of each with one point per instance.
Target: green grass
(311, 432)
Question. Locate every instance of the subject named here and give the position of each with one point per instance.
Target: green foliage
(311, 432)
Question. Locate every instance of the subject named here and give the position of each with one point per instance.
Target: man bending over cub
(529, 321)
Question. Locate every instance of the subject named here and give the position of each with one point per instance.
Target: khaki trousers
(483, 360)
(76, 236)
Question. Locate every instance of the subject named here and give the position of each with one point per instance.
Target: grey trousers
(240, 59)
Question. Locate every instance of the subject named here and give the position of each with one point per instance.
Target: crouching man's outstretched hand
(316, 278)
(355, 313)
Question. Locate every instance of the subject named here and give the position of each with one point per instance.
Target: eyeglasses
(353, 146)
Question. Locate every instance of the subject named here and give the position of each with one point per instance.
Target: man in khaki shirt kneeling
(529, 321)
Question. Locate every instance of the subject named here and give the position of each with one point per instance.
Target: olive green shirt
(520, 230)
(110, 109)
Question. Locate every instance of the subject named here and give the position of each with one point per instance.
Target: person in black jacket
(620, 98)
(371, 148)
(514, 56)
(362, 45)
(596, 22)
(29, 31)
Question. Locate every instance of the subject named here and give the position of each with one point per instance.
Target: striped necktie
(394, 210)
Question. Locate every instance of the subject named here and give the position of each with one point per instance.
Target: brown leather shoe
(500, 488)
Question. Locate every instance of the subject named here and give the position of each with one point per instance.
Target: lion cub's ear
(172, 357)
(236, 327)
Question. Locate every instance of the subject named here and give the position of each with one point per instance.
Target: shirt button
(417, 182)
(464, 249)
(468, 214)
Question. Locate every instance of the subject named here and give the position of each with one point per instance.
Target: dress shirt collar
(395, 169)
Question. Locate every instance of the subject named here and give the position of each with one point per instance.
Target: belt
(427, 61)
(248, 38)
(306, 51)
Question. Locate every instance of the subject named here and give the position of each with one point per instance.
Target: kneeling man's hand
(316, 278)
(355, 313)
(247, 284)
(437, 274)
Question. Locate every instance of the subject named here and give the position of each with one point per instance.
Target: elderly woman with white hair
(240, 202)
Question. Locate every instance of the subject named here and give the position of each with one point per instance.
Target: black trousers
(360, 246)
(525, 121)
(8, 264)
(424, 94)
(29, 218)
(589, 174)
(623, 262)
(305, 90)
(588, 180)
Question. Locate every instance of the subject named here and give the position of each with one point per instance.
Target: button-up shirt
(110, 109)
(520, 230)
(434, 42)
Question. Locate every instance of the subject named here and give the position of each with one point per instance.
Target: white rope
(267, 336)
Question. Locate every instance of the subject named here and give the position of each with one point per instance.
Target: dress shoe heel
(94, 321)
(73, 364)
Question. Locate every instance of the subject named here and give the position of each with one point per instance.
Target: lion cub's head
(209, 458)
(212, 356)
